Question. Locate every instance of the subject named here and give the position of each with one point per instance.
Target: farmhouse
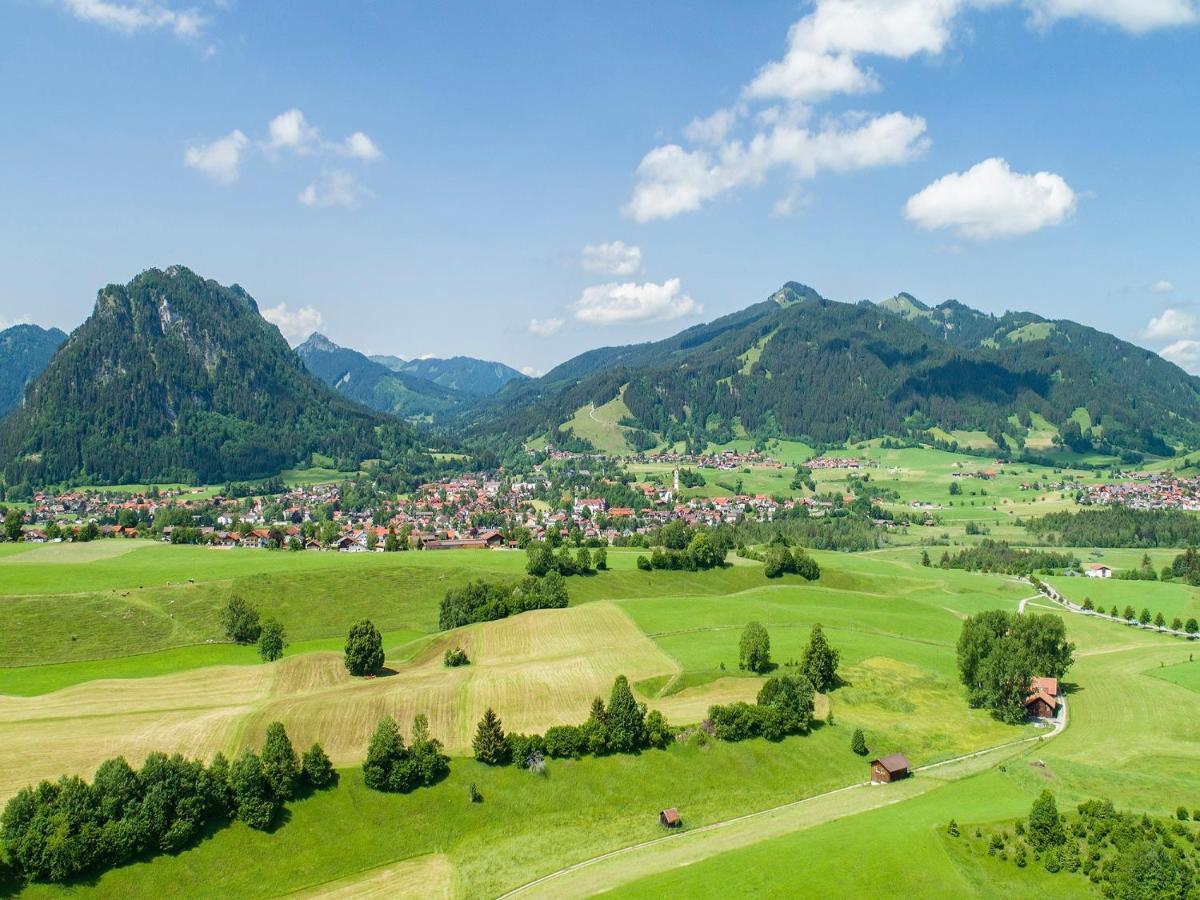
(889, 768)
(1099, 571)
(1042, 702)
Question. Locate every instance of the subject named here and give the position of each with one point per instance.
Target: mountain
(375, 385)
(477, 377)
(176, 378)
(25, 351)
(801, 366)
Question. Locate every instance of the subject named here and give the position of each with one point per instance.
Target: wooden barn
(889, 768)
(1042, 702)
(669, 818)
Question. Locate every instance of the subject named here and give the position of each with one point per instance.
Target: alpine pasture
(115, 647)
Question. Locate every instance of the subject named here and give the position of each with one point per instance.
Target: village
(481, 510)
(1140, 490)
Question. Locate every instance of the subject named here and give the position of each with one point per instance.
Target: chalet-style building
(1099, 571)
(669, 818)
(1042, 702)
(889, 768)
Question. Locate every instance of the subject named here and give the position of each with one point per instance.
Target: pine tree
(858, 743)
(490, 744)
(1045, 827)
(820, 661)
(925, 558)
(279, 762)
(626, 719)
(316, 767)
(257, 804)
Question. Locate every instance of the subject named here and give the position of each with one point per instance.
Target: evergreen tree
(364, 648)
(820, 661)
(626, 719)
(429, 764)
(490, 744)
(754, 649)
(280, 764)
(858, 743)
(1045, 828)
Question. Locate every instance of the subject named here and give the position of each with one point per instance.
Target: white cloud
(359, 146)
(1185, 354)
(1136, 16)
(1171, 325)
(714, 129)
(220, 159)
(613, 258)
(672, 180)
(613, 304)
(989, 200)
(335, 188)
(6, 322)
(531, 371)
(545, 327)
(823, 47)
(291, 131)
(294, 325)
(133, 16)
(1162, 287)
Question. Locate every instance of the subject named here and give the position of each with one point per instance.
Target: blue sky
(526, 181)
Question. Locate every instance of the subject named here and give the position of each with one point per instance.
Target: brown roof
(1049, 685)
(670, 816)
(1039, 694)
(897, 762)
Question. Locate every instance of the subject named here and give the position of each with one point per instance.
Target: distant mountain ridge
(365, 381)
(477, 377)
(25, 351)
(177, 378)
(799, 365)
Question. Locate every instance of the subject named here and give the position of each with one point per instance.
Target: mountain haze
(25, 351)
(478, 377)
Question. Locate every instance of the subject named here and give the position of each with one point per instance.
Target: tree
(1160, 620)
(429, 764)
(271, 641)
(1144, 617)
(257, 805)
(820, 661)
(280, 765)
(1192, 626)
(1045, 828)
(364, 648)
(239, 619)
(583, 561)
(13, 520)
(754, 649)
(791, 700)
(387, 766)
(1129, 614)
(925, 558)
(658, 733)
(490, 744)
(316, 769)
(858, 743)
(601, 559)
(626, 719)
(999, 652)
(1177, 624)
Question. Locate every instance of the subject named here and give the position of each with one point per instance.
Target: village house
(889, 768)
(1042, 702)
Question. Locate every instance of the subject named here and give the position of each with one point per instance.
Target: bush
(456, 657)
(658, 733)
(524, 748)
(1181, 814)
(391, 766)
(565, 742)
(482, 601)
(644, 564)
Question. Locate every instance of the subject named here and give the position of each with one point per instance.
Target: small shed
(889, 768)
(669, 818)
(1042, 702)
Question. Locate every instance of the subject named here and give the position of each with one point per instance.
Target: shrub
(565, 742)
(455, 657)
(473, 794)
(658, 733)
(1181, 814)
(644, 564)
(525, 747)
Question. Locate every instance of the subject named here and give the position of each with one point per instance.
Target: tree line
(59, 830)
(1118, 526)
(998, 556)
(483, 601)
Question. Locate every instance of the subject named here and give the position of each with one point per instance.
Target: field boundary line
(713, 826)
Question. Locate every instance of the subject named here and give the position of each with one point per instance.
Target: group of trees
(1118, 526)
(240, 621)
(1191, 626)
(998, 556)
(621, 726)
(395, 767)
(702, 551)
(1126, 856)
(542, 560)
(483, 601)
(818, 663)
(781, 559)
(1185, 567)
(58, 830)
(1001, 652)
(784, 706)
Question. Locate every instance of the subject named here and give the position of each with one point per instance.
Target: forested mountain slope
(25, 351)
(801, 366)
(477, 377)
(175, 377)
